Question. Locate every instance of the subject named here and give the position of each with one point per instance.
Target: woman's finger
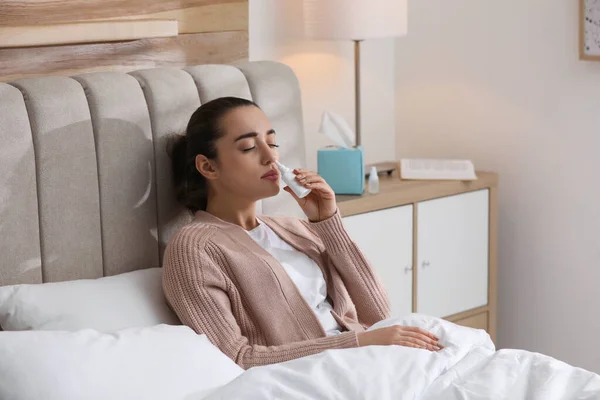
(309, 175)
(319, 187)
(420, 336)
(303, 171)
(422, 331)
(311, 179)
(408, 344)
(422, 345)
(418, 342)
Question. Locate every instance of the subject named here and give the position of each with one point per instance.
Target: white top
(305, 273)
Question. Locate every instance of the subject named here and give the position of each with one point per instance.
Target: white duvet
(468, 368)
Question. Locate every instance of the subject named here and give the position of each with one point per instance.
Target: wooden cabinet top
(394, 192)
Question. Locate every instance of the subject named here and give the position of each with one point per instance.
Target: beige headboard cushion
(85, 179)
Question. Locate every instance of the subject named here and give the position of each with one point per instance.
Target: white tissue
(336, 128)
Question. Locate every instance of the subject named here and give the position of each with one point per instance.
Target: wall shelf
(86, 32)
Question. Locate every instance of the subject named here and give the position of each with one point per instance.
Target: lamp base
(357, 129)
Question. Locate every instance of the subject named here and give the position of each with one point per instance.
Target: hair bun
(177, 150)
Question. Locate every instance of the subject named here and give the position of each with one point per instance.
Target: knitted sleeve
(363, 284)
(197, 290)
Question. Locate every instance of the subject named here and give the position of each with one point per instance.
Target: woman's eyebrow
(246, 135)
(253, 134)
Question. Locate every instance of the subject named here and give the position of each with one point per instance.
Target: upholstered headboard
(85, 180)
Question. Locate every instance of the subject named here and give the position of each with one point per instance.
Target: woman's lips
(271, 176)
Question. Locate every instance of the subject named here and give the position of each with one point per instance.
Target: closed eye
(253, 147)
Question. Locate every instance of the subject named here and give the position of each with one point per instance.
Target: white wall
(500, 82)
(326, 74)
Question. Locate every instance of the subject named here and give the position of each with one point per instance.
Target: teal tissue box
(342, 169)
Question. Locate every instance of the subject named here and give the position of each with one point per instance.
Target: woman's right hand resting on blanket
(408, 336)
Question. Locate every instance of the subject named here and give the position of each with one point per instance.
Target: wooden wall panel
(180, 51)
(209, 31)
(210, 18)
(30, 12)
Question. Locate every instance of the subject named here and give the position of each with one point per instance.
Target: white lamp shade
(355, 19)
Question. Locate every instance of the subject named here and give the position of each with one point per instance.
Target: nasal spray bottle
(373, 181)
(289, 178)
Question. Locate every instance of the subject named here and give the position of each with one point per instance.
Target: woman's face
(246, 154)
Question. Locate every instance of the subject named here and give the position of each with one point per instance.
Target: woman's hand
(408, 336)
(319, 204)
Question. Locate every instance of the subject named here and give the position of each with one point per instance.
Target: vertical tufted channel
(172, 97)
(126, 171)
(19, 219)
(214, 81)
(67, 178)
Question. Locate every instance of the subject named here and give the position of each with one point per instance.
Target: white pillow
(160, 362)
(128, 300)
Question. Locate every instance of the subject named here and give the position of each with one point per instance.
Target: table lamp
(355, 20)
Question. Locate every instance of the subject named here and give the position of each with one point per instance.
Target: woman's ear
(206, 167)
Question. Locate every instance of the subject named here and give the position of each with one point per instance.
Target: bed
(86, 209)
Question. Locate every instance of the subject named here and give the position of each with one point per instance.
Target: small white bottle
(288, 176)
(373, 184)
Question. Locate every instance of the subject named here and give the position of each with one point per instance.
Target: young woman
(266, 289)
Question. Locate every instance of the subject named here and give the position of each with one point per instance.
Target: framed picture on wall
(589, 30)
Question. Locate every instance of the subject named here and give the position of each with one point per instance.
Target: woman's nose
(270, 158)
(269, 155)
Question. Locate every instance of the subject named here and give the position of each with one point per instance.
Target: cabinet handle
(407, 269)
(425, 264)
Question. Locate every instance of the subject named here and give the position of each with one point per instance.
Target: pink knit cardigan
(223, 284)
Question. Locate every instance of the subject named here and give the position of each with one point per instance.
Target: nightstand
(433, 243)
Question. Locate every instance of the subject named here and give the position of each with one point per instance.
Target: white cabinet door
(385, 238)
(452, 253)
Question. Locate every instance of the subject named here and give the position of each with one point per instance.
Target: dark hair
(203, 129)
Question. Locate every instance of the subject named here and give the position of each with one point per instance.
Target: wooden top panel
(28, 12)
(394, 192)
